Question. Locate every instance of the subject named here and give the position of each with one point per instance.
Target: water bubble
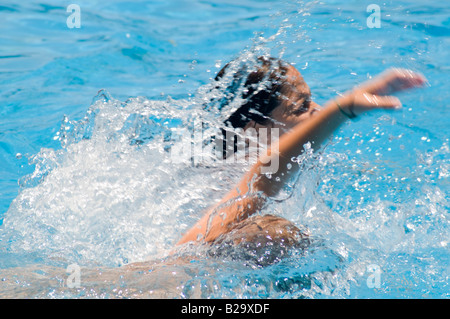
(193, 64)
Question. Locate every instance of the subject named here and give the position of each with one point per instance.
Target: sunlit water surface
(88, 177)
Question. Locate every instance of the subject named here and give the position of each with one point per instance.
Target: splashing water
(112, 193)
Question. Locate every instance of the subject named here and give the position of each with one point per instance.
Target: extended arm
(243, 199)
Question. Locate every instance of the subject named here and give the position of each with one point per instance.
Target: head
(275, 95)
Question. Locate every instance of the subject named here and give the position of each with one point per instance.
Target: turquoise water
(84, 177)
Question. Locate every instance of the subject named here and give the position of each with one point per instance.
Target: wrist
(346, 104)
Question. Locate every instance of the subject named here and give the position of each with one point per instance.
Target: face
(295, 106)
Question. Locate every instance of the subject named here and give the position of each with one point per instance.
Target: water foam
(112, 194)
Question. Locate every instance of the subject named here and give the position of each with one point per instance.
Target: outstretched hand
(377, 93)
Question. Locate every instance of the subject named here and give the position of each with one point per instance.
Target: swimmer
(285, 104)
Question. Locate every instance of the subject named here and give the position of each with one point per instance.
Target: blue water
(73, 189)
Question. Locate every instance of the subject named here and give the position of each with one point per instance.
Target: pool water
(88, 116)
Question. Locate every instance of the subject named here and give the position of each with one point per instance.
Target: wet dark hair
(262, 85)
(261, 91)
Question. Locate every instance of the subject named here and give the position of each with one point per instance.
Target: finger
(380, 102)
(388, 102)
(394, 80)
(397, 80)
(402, 79)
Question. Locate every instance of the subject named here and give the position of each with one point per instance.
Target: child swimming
(276, 96)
